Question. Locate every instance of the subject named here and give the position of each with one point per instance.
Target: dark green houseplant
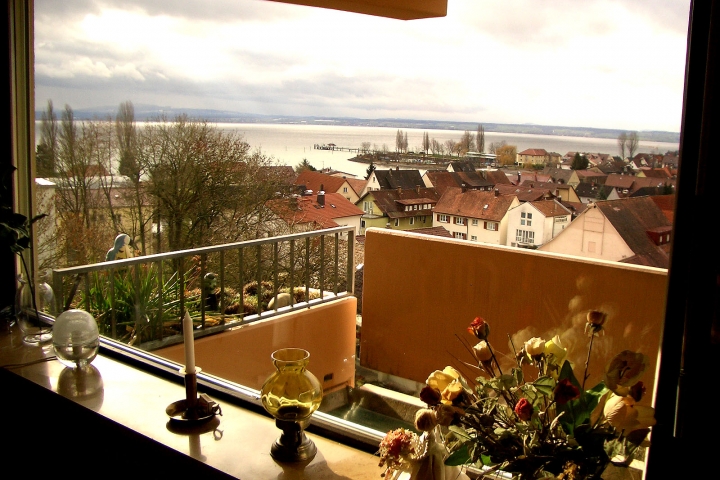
(15, 234)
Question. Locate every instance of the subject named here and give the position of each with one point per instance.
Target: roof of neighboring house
(558, 174)
(594, 191)
(620, 181)
(496, 177)
(666, 204)
(656, 172)
(443, 180)
(436, 231)
(633, 218)
(462, 166)
(550, 208)
(405, 179)
(534, 152)
(534, 177)
(392, 202)
(357, 184)
(575, 207)
(474, 204)
(590, 175)
(314, 180)
(524, 193)
(306, 209)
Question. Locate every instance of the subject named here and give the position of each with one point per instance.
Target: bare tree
(622, 144)
(436, 147)
(450, 146)
(405, 142)
(466, 143)
(632, 143)
(480, 139)
(426, 142)
(495, 145)
(47, 149)
(399, 138)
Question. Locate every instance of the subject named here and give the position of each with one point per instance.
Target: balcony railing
(141, 300)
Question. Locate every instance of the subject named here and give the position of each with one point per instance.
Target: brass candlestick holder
(194, 407)
(291, 395)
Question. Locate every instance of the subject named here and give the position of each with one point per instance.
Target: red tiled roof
(387, 200)
(525, 193)
(474, 204)
(313, 181)
(534, 152)
(550, 208)
(306, 209)
(666, 203)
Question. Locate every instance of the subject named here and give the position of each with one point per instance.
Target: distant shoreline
(148, 113)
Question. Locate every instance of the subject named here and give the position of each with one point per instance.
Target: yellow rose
(624, 371)
(623, 414)
(535, 346)
(555, 350)
(451, 392)
(482, 351)
(441, 379)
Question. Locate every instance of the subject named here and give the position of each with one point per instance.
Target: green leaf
(544, 385)
(460, 432)
(461, 456)
(567, 372)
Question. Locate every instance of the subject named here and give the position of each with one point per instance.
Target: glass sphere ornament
(75, 338)
(291, 395)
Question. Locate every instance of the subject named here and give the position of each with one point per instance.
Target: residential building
(629, 230)
(400, 208)
(532, 224)
(478, 216)
(316, 211)
(350, 188)
(560, 175)
(442, 180)
(526, 193)
(562, 191)
(592, 192)
(392, 179)
(533, 156)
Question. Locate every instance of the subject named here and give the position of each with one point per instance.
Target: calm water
(289, 144)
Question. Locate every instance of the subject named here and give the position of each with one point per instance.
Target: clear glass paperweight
(75, 338)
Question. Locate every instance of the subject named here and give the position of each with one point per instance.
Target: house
(561, 175)
(532, 224)
(590, 176)
(562, 191)
(316, 211)
(392, 179)
(402, 209)
(478, 216)
(628, 184)
(526, 193)
(592, 192)
(442, 180)
(461, 166)
(629, 230)
(533, 156)
(496, 177)
(350, 188)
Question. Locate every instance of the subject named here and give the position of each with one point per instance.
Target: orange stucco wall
(420, 292)
(242, 355)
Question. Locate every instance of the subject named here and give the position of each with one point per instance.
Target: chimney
(321, 196)
(497, 192)
(417, 189)
(399, 190)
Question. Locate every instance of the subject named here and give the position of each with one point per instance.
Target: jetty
(335, 148)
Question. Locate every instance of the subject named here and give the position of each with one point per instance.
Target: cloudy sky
(593, 63)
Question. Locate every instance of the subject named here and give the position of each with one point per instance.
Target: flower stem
(587, 361)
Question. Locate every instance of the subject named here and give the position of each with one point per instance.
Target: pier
(334, 148)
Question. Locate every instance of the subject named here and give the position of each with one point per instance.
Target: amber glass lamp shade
(291, 395)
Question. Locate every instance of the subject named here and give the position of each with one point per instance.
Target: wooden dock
(334, 148)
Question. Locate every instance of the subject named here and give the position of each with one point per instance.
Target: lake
(289, 144)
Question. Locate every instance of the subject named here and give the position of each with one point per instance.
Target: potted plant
(15, 236)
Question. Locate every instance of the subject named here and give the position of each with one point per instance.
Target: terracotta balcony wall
(420, 292)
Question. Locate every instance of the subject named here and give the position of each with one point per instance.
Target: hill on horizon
(153, 112)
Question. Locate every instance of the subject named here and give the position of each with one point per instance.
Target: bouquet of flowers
(545, 424)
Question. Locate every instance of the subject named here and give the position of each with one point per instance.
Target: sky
(594, 63)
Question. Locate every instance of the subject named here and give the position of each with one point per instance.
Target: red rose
(565, 391)
(479, 328)
(431, 396)
(524, 409)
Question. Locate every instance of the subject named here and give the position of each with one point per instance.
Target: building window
(345, 189)
(525, 236)
(475, 222)
(442, 218)
(412, 220)
(460, 235)
(526, 219)
(366, 206)
(491, 226)
(473, 238)
(459, 221)
(362, 223)
(397, 222)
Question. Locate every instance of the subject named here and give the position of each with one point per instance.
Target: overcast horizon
(598, 64)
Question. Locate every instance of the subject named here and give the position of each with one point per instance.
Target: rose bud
(482, 351)
(535, 347)
(479, 328)
(565, 391)
(430, 395)
(524, 409)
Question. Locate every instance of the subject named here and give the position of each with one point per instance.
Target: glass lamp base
(293, 445)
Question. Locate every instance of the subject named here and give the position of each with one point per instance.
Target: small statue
(122, 248)
(209, 286)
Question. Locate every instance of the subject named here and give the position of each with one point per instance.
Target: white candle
(189, 344)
